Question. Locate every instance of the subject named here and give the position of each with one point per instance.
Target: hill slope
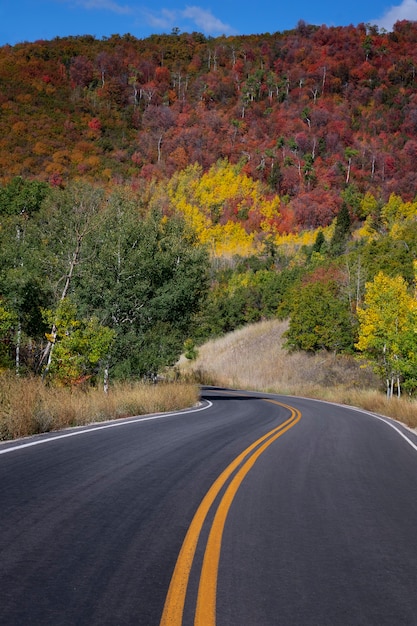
(307, 111)
(254, 358)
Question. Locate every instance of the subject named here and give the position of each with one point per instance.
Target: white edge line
(382, 418)
(386, 421)
(389, 421)
(113, 424)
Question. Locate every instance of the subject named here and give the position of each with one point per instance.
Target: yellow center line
(175, 600)
(206, 601)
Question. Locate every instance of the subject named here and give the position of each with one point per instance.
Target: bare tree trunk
(348, 171)
(159, 148)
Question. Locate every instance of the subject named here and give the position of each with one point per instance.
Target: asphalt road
(254, 510)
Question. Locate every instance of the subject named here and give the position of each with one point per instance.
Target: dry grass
(253, 358)
(250, 358)
(28, 407)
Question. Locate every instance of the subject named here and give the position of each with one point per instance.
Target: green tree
(147, 277)
(341, 232)
(320, 318)
(80, 345)
(353, 199)
(8, 322)
(319, 242)
(62, 226)
(22, 197)
(394, 257)
(22, 284)
(244, 296)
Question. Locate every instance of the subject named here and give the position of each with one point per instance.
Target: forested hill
(306, 112)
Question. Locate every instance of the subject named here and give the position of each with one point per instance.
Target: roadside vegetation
(254, 358)
(29, 407)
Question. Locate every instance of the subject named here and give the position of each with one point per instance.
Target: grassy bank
(28, 407)
(254, 358)
(250, 358)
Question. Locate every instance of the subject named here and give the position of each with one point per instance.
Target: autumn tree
(387, 330)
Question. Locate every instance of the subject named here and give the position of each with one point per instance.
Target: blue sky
(30, 20)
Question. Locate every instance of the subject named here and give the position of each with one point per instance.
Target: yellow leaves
(7, 320)
(386, 312)
(194, 217)
(291, 243)
(225, 207)
(395, 215)
(229, 240)
(107, 174)
(238, 281)
(61, 157)
(398, 211)
(78, 345)
(270, 211)
(368, 205)
(367, 231)
(55, 168)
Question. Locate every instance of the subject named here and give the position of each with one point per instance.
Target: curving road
(252, 510)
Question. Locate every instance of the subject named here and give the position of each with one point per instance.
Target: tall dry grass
(254, 358)
(28, 407)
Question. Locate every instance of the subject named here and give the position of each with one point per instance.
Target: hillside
(158, 193)
(255, 358)
(306, 112)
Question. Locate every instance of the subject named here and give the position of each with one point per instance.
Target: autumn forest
(155, 193)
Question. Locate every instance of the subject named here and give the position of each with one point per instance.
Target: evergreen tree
(319, 243)
(341, 232)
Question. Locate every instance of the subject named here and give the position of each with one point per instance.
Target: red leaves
(94, 124)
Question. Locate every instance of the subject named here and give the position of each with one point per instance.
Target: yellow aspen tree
(388, 315)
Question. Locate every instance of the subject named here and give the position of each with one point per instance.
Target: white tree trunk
(54, 330)
(106, 379)
(18, 342)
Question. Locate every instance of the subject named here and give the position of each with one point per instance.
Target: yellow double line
(205, 614)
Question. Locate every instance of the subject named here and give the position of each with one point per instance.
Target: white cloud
(190, 18)
(206, 21)
(405, 11)
(163, 20)
(105, 5)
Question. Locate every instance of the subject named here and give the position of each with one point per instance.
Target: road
(252, 510)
